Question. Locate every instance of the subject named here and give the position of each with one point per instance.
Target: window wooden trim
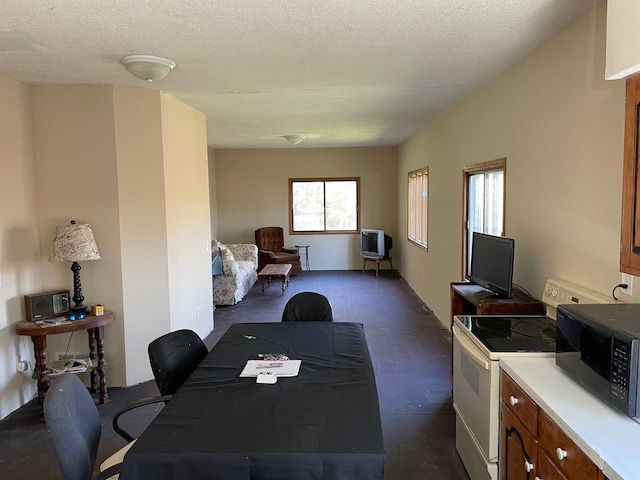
(424, 173)
(468, 171)
(324, 179)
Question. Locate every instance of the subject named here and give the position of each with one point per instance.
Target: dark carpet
(409, 348)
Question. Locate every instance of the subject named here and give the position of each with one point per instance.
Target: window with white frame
(484, 191)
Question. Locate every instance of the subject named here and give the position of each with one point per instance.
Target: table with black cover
(322, 424)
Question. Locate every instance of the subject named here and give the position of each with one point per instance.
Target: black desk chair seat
(308, 307)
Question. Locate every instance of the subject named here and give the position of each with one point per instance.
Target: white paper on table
(284, 368)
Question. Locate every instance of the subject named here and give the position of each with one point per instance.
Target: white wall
(560, 126)
(253, 191)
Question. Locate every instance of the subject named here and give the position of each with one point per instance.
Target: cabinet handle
(513, 400)
(560, 453)
(528, 466)
(537, 478)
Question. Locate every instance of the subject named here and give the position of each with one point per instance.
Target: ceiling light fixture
(148, 67)
(293, 139)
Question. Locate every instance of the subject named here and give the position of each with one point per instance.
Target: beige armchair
(271, 249)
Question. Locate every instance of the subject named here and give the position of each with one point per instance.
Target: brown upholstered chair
(271, 249)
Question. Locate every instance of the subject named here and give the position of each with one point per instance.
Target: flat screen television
(374, 243)
(492, 263)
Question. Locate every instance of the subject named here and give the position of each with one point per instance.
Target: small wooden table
(275, 270)
(377, 260)
(94, 325)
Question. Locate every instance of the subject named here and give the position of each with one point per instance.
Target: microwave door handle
(470, 349)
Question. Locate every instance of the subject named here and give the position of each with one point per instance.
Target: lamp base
(78, 309)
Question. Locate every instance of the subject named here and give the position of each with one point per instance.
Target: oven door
(476, 396)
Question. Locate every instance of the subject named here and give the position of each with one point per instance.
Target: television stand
(377, 260)
(470, 299)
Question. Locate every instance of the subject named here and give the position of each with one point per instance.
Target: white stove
(478, 344)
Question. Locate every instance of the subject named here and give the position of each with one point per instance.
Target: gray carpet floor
(409, 348)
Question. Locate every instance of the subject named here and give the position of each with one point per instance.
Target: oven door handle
(470, 349)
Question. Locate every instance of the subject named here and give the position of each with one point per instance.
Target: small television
(374, 243)
(491, 263)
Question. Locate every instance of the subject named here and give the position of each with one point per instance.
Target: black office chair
(308, 307)
(72, 419)
(173, 357)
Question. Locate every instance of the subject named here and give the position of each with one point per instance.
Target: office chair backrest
(72, 419)
(174, 357)
(307, 307)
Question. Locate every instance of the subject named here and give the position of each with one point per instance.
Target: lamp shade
(74, 243)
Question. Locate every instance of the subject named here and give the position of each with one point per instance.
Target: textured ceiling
(345, 73)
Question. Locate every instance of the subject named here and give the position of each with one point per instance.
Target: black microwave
(597, 346)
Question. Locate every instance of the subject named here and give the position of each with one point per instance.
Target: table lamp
(74, 243)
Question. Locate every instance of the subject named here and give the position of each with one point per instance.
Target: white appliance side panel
(476, 383)
(474, 462)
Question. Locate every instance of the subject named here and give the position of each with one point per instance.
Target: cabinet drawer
(553, 441)
(520, 404)
(547, 470)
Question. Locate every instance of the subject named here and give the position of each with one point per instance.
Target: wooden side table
(377, 260)
(306, 254)
(94, 325)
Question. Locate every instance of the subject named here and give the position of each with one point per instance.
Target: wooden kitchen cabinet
(630, 227)
(532, 446)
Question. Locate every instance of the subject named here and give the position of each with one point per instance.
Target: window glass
(324, 205)
(485, 202)
(417, 206)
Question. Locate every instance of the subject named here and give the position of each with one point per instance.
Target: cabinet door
(630, 228)
(518, 449)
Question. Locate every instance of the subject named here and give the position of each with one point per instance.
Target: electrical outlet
(22, 365)
(628, 279)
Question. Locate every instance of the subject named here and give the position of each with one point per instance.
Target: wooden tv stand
(471, 299)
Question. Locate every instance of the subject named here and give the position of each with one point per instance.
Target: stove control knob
(513, 400)
(561, 454)
(554, 292)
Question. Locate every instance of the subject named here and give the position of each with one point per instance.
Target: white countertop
(610, 439)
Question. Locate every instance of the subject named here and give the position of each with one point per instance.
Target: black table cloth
(322, 424)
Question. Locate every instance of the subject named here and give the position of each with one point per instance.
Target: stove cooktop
(518, 333)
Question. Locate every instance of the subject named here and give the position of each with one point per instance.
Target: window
(324, 205)
(484, 191)
(417, 206)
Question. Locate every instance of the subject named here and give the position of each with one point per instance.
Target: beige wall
(213, 195)
(20, 266)
(252, 192)
(560, 125)
(133, 164)
(142, 225)
(186, 180)
(77, 179)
